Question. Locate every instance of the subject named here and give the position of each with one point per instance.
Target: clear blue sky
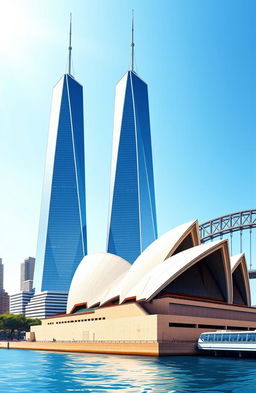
(199, 60)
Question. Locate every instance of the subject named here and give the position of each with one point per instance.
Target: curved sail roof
(241, 284)
(167, 271)
(185, 235)
(236, 260)
(176, 264)
(94, 275)
(113, 291)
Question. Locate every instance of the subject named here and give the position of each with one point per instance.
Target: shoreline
(125, 348)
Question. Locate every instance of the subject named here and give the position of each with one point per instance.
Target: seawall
(125, 348)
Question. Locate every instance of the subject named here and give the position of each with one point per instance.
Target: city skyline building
(4, 297)
(62, 239)
(45, 304)
(19, 301)
(1, 275)
(132, 222)
(27, 274)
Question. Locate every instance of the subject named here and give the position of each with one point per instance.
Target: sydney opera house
(176, 289)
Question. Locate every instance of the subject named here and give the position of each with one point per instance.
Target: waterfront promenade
(144, 348)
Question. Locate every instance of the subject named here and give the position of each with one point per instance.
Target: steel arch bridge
(229, 224)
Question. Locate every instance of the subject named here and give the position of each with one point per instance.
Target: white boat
(225, 340)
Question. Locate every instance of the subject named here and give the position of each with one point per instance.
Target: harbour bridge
(227, 226)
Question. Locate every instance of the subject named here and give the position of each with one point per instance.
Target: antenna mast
(70, 47)
(132, 44)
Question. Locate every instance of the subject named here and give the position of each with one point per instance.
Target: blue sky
(199, 60)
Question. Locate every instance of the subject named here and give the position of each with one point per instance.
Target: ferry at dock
(239, 341)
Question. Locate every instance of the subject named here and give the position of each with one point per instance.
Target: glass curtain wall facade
(62, 230)
(132, 218)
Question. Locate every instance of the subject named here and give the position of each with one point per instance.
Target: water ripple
(52, 372)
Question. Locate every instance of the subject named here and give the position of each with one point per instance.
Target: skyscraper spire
(70, 47)
(132, 43)
(132, 222)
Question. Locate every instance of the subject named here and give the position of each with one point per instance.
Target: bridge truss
(229, 224)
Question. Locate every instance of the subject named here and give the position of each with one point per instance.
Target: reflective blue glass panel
(132, 223)
(62, 232)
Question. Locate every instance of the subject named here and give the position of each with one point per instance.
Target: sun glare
(14, 28)
(20, 26)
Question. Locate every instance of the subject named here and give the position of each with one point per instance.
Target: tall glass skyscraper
(132, 218)
(62, 230)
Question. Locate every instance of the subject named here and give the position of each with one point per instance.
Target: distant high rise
(4, 297)
(62, 231)
(132, 220)
(19, 301)
(27, 274)
(1, 275)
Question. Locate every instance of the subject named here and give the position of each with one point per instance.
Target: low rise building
(19, 301)
(45, 304)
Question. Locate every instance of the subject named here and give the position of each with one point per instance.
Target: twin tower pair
(62, 237)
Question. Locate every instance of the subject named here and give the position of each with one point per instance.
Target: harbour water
(52, 372)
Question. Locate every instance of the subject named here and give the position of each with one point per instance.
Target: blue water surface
(38, 371)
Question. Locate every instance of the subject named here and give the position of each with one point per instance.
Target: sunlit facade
(62, 232)
(132, 218)
(176, 289)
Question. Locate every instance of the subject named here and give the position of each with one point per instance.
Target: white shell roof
(154, 254)
(94, 276)
(235, 260)
(164, 273)
(103, 277)
(113, 291)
